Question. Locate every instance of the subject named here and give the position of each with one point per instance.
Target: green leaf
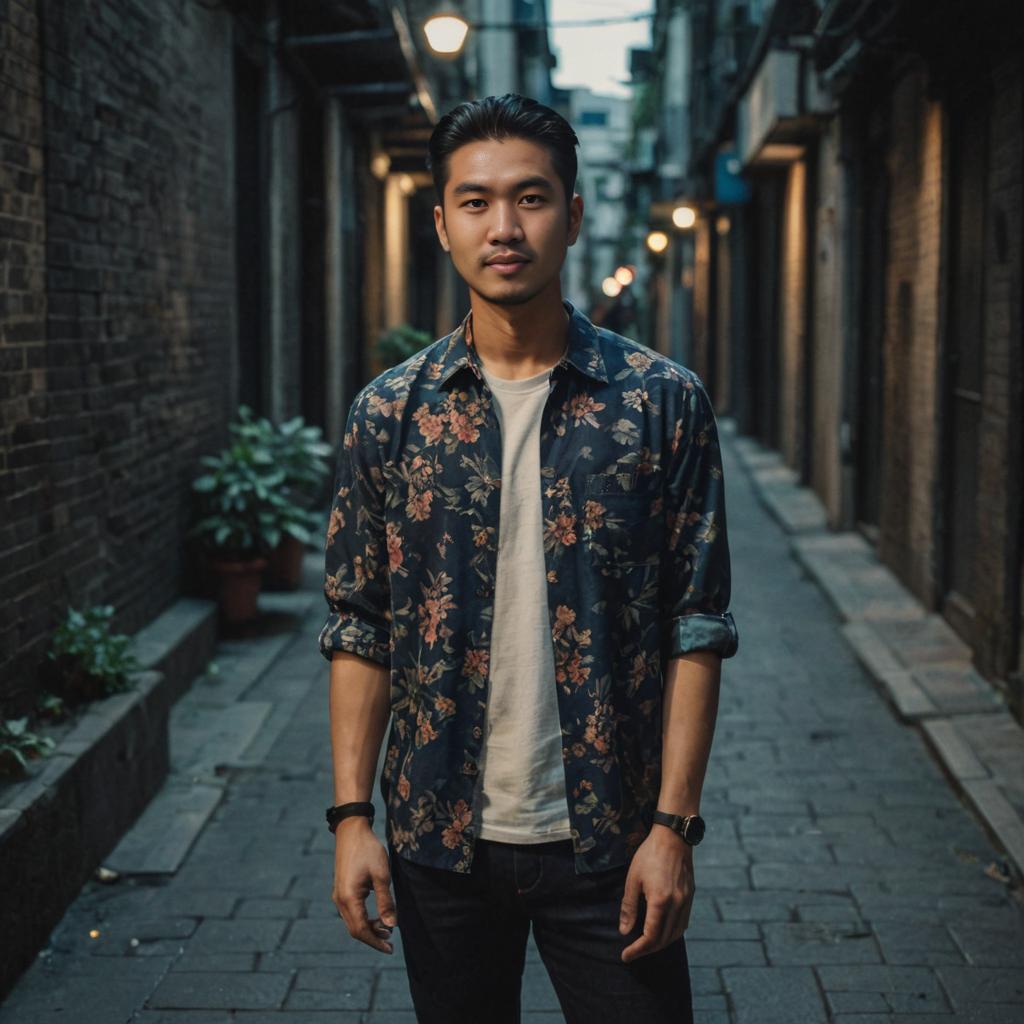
(298, 531)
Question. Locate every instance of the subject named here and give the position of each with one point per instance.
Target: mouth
(509, 264)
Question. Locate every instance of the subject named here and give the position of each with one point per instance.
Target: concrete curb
(58, 824)
(917, 662)
(217, 728)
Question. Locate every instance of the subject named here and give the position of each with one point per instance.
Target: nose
(504, 226)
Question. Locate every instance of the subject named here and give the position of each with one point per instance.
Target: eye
(468, 201)
(532, 195)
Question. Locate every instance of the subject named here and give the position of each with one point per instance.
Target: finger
(675, 925)
(630, 903)
(360, 927)
(385, 901)
(654, 926)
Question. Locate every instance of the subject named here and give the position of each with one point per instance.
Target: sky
(596, 56)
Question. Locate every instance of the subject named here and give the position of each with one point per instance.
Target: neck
(520, 341)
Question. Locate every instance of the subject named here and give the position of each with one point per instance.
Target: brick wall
(911, 332)
(116, 344)
(24, 445)
(999, 506)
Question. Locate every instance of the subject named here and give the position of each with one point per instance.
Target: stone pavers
(842, 877)
(915, 657)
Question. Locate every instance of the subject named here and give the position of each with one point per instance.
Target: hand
(361, 864)
(662, 871)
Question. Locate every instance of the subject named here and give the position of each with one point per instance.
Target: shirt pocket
(622, 519)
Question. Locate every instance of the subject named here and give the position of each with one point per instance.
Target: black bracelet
(335, 814)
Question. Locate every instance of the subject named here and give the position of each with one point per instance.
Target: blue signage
(730, 185)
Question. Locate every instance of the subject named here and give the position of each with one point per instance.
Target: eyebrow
(537, 181)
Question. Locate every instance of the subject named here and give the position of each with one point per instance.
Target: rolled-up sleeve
(356, 583)
(695, 567)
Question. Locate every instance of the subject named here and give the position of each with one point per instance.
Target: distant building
(603, 128)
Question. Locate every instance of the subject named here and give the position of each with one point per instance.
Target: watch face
(694, 831)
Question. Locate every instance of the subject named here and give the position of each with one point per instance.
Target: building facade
(851, 289)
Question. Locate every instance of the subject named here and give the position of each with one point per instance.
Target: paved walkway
(841, 878)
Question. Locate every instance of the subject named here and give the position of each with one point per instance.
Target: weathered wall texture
(117, 294)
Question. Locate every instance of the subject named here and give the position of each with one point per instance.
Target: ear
(575, 217)
(442, 234)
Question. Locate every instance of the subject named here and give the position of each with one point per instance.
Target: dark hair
(503, 117)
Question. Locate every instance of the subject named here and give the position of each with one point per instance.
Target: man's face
(505, 219)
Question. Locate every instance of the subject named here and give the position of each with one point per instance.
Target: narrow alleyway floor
(841, 878)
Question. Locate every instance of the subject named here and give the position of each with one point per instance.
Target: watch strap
(679, 823)
(337, 813)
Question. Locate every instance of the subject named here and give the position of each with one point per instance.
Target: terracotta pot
(239, 588)
(284, 571)
(67, 678)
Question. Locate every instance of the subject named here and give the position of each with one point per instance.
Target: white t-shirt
(522, 796)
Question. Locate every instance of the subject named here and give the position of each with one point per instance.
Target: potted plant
(19, 745)
(88, 661)
(242, 511)
(397, 344)
(300, 453)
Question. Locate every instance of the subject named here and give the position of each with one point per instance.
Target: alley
(841, 877)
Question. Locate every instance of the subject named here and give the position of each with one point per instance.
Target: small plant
(18, 746)
(242, 504)
(260, 487)
(51, 706)
(297, 448)
(91, 661)
(396, 345)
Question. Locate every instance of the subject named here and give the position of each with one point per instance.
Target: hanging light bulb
(657, 241)
(684, 217)
(446, 33)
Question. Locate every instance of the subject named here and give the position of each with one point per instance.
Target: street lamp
(624, 275)
(446, 33)
(380, 165)
(684, 217)
(657, 241)
(611, 287)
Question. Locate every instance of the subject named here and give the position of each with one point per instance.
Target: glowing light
(722, 225)
(657, 241)
(380, 165)
(406, 184)
(624, 275)
(445, 33)
(94, 933)
(611, 287)
(684, 217)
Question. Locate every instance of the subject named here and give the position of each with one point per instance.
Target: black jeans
(464, 940)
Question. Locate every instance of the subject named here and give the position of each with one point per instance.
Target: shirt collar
(583, 350)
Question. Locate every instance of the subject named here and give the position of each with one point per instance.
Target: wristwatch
(335, 814)
(690, 827)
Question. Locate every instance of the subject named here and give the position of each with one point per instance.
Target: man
(527, 564)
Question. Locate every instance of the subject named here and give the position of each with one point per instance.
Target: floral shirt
(637, 562)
